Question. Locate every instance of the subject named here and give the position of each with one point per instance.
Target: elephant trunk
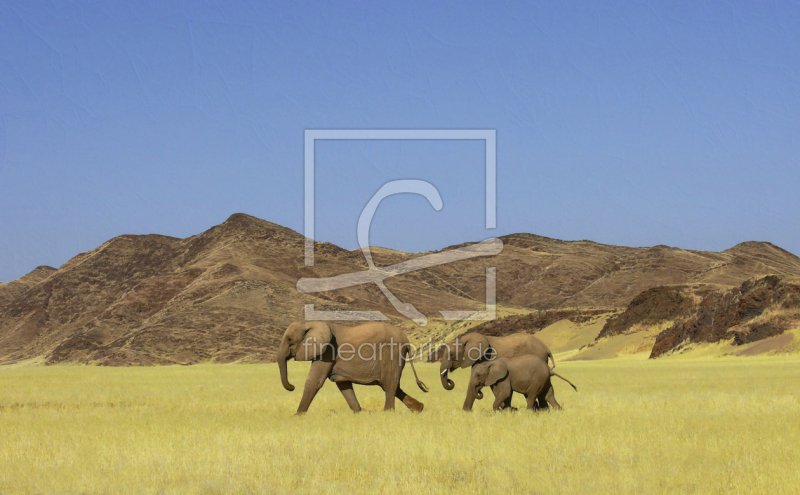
(447, 383)
(477, 389)
(283, 356)
(473, 392)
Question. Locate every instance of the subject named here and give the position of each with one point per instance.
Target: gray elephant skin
(527, 375)
(370, 354)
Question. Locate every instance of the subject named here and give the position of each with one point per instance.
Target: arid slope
(228, 293)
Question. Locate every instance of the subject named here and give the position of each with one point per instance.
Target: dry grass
(565, 335)
(709, 425)
(636, 343)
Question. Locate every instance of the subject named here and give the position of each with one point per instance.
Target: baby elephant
(527, 375)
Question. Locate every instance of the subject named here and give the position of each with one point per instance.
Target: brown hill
(12, 290)
(228, 293)
(657, 305)
(535, 321)
(758, 309)
(544, 273)
(761, 308)
(222, 295)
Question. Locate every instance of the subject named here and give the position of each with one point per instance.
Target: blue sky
(631, 123)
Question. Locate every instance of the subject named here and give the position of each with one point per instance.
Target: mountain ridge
(227, 294)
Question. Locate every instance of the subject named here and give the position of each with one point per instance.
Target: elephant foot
(413, 404)
(410, 402)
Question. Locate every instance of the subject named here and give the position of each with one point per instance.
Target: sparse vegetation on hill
(653, 306)
(227, 294)
(760, 308)
(538, 320)
(669, 318)
(12, 290)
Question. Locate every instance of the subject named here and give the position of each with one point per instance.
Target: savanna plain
(702, 425)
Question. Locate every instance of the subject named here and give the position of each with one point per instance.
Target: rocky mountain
(546, 273)
(228, 293)
(12, 290)
(760, 308)
(223, 295)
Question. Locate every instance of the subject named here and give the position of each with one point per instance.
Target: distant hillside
(544, 273)
(759, 309)
(227, 294)
(12, 290)
(223, 295)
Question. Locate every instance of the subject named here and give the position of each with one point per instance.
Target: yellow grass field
(708, 425)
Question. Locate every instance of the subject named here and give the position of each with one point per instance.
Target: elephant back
(519, 344)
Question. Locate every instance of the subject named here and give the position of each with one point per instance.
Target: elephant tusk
(443, 372)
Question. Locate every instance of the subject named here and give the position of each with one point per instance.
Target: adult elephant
(369, 354)
(473, 348)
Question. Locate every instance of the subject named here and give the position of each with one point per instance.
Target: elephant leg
(390, 389)
(502, 397)
(507, 404)
(499, 403)
(346, 388)
(409, 401)
(316, 379)
(550, 398)
(469, 401)
(531, 400)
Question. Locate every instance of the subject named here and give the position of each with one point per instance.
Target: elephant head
(463, 352)
(303, 341)
(486, 374)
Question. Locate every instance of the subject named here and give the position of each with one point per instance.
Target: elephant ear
(439, 353)
(497, 371)
(474, 349)
(316, 341)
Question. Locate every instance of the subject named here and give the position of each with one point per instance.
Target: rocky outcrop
(657, 305)
(760, 308)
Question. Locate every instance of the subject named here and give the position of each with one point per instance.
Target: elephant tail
(553, 373)
(550, 356)
(421, 385)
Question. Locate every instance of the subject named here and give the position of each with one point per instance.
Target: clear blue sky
(636, 123)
